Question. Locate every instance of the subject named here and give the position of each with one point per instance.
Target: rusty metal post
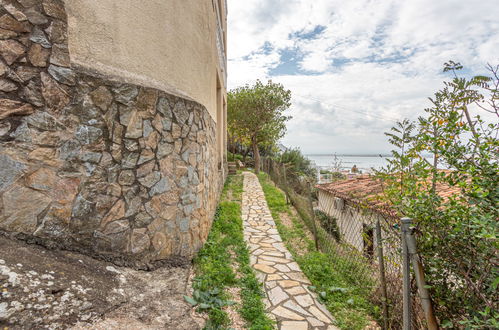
(285, 183)
(406, 273)
(314, 225)
(417, 266)
(381, 262)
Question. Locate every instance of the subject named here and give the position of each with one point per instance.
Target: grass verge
(341, 290)
(223, 262)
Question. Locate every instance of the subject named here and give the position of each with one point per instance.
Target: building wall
(170, 45)
(167, 44)
(351, 223)
(106, 162)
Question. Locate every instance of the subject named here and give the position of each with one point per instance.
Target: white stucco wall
(350, 221)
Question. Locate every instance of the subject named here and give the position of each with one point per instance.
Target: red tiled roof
(367, 191)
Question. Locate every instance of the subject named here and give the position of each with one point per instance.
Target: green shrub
(297, 164)
(457, 232)
(328, 223)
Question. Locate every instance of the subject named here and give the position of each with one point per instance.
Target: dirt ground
(48, 289)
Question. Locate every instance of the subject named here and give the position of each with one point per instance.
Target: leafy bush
(457, 232)
(233, 157)
(328, 223)
(297, 164)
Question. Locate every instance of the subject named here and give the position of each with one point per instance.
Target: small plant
(210, 299)
(328, 223)
(222, 257)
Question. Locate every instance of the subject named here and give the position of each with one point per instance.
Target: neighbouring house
(112, 125)
(356, 206)
(350, 202)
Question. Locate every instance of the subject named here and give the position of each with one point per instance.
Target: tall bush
(457, 232)
(297, 164)
(255, 116)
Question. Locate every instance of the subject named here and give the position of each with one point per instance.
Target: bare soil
(49, 289)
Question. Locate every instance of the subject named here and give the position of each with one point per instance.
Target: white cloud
(372, 62)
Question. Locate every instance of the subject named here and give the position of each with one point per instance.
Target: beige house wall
(166, 44)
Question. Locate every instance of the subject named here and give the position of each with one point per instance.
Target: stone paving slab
(289, 301)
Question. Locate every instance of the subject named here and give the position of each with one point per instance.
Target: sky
(356, 67)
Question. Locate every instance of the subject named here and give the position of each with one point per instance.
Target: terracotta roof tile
(367, 191)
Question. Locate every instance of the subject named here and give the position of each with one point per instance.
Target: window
(368, 238)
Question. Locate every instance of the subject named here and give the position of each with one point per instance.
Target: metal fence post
(381, 262)
(417, 266)
(285, 184)
(406, 271)
(314, 225)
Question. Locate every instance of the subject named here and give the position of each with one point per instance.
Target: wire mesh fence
(359, 242)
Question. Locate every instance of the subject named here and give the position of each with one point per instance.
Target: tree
(457, 232)
(239, 141)
(298, 165)
(255, 115)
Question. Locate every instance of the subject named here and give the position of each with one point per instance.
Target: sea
(365, 163)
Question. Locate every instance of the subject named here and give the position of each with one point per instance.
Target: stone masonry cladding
(114, 170)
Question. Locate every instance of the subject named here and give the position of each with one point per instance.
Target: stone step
(232, 167)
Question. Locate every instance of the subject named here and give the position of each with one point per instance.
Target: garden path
(289, 301)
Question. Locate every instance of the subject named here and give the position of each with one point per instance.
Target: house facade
(357, 206)
(112, 125)
(357, 210)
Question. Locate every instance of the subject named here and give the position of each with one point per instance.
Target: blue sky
(354, 67)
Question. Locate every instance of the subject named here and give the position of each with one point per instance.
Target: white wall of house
(352, 223)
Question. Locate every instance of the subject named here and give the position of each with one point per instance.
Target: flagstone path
(289, 301)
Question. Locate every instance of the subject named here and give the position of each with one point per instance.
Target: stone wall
(115, 170)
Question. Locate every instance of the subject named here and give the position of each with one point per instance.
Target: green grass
(341, 285)
(215, 265)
